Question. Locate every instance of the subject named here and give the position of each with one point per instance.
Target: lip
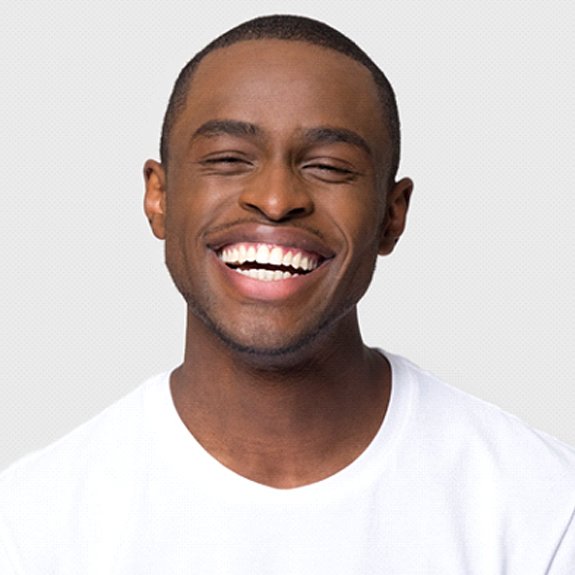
(266, 291)
(289, 237)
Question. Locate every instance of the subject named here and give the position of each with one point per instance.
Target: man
(282, 444)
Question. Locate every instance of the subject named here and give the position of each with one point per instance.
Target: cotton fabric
(449, 485)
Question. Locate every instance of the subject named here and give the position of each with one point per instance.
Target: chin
(273, 348)
(268, 349)
(265, 346)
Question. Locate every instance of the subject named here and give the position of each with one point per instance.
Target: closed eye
(330, 168)
(224, 159)
(330, 173)
(227, 165)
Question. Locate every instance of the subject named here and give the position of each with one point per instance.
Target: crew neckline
(364, 469)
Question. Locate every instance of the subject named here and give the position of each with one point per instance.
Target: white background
(480, 289)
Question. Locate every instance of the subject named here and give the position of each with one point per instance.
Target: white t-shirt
(449, 485)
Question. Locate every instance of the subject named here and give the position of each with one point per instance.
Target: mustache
(241, 221)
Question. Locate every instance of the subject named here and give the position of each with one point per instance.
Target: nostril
(298, 211)
(278, 197)
(278, 213)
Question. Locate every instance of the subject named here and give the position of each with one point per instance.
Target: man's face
(273, 205)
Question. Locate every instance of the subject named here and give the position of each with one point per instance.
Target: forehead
(283, 86)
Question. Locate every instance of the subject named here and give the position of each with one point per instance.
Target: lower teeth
(265, 275)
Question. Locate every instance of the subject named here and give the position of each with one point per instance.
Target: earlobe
(155, 197)
(397, 205)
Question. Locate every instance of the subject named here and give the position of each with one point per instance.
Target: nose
(278, 194)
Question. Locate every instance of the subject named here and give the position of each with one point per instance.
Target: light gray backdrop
(480, 289)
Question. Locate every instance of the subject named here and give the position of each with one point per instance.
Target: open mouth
(268, 262)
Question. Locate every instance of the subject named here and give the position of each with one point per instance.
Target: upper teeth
(239, 254)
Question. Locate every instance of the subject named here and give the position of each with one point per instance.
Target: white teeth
(263, 254)
(296, 260)
(227, 256)
(242, 253)
(270, 276)
(276, 256)
(266, 275)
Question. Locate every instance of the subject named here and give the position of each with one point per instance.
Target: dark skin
(280, 143)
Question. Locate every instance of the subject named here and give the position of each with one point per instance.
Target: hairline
(385, 93)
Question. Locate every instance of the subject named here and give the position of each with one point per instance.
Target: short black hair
(287, 27)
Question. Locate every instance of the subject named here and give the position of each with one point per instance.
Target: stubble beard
(260, 352)
(286, 353)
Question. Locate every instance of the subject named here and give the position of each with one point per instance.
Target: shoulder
(454, 425)
(66, 493)
(482, 466)
(101, 445)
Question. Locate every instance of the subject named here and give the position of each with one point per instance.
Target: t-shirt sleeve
(7, 559)
(6, 565)
(564, 560)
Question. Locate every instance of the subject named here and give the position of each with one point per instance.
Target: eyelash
(330, 171)
(225, 159)
(330, 168)
(234, 160)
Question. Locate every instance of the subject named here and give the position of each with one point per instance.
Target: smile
(268, 262)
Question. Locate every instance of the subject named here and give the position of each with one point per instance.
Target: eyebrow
(328, 135)
(213, 128)
(318, 135)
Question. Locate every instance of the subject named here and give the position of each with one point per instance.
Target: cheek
(181, 233)
(359, 220)
(189, 207)
(196, 201)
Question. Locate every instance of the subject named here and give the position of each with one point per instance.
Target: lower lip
(254, 289)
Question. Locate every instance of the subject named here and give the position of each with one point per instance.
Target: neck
(286, 420)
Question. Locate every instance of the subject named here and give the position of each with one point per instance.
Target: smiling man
(282, 444)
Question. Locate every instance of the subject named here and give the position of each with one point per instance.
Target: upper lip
(294, 237)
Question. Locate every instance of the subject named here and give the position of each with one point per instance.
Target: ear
(155, 197)
(397, 203)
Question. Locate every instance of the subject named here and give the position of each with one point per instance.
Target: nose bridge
(277, 192)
